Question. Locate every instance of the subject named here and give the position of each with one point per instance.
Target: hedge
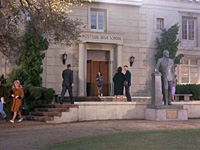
(34, 97)
(193, 89)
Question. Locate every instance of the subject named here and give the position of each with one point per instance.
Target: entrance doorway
(97, 61)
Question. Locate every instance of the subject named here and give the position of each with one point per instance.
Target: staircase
(47, 113)
(57, 113)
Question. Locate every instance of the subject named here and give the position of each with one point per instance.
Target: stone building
(114, 31)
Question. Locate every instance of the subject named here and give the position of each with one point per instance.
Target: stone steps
(48, 112)
(105, 98)
(60, 106)
(51, 109)
(38, 118)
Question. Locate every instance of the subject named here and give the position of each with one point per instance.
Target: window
(98, 20)
(188, 29)
(189, 71)
(185, 74)
(160, 23)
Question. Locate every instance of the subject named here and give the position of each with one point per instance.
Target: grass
(140, 140)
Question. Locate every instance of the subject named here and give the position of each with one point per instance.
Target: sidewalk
(36, 135)
(7, 125)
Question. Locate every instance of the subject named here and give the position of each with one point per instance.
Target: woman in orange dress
(18, 94)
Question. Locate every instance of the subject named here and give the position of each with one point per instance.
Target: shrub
(193, 89)
(3, 79)
(169, 41)
(34, 97)
(18, 74)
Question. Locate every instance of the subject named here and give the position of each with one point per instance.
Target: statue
(166, 66)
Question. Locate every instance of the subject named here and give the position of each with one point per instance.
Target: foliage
(50, 17)
(32, 54)
(3, 79)
(169, 41)
(18, 74)
(193, 89)
(33, 97)
(9, 32)
(36, 97)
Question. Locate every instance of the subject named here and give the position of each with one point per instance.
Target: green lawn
(143, 140)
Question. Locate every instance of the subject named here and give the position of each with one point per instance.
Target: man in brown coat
(3, 97)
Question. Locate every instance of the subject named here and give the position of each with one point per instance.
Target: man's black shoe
(61, 102)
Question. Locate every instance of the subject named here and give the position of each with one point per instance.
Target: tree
(18, 74)
(169, 41)
(32, 54)
(50, 18)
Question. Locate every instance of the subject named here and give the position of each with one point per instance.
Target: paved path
(35, 135)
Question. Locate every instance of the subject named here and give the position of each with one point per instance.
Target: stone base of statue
(159, 112)
(166, 113)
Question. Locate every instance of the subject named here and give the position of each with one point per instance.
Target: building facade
(114, 31)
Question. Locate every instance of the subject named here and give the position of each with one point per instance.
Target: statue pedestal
(159, 112)
(166, 113)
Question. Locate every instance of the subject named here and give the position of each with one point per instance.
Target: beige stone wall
(88, 111)
(53, 66)
(5, 66)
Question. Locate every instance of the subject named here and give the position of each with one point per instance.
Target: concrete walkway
(36, 135)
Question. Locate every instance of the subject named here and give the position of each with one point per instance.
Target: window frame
(162, 23)
(188, 29)
(186, 43)
(189, 71)
(98, 10)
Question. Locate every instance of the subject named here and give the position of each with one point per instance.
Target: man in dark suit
(128, 83)
(67, 84)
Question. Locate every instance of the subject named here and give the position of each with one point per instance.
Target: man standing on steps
(67, 84)
(127, 83)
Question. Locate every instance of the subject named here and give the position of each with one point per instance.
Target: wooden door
(92, 68)
(103, 67)
(89, 77)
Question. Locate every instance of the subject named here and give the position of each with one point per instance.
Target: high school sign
(95, 37)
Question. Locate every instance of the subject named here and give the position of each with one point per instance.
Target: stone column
(198, 65)
(111, 72)
(156, 89)
(81, 70)
(119, 55)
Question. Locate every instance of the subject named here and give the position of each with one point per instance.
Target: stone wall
(90, 111)
(5, 66)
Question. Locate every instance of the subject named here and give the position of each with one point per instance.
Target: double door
(93, 67)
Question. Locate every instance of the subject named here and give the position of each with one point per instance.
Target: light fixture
(132, 59)
(64, 58)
